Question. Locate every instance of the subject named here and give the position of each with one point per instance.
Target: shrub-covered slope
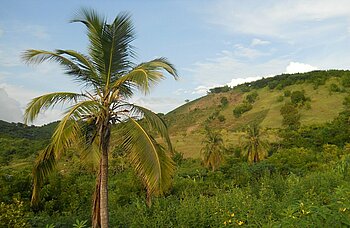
(319, 96)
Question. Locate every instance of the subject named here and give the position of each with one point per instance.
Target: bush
(224, 101)
(291, 116)
(221, 118)
(334, 88)
(241, 108)
(280, 98)
(251, 98)
(298, 97)
(287, 93)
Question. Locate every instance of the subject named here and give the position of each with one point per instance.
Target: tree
(291, 116)
(213, 149)
(253, 144)
(109, 78)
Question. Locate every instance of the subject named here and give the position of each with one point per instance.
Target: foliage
(287, 93)
(334, 88)
(251, 97)
(224, 101)
(20, 130)
(241, 108)
(280, 98)
(110, 78)
(298, 97)
(213, 149)
(13, 214)
(291, 116)
(253, 144)
(221, 89)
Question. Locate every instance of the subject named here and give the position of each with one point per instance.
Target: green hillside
(325, 92)
(303, 182)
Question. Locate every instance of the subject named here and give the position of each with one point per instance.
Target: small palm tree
(212, 151)
(109, 78)
(254, 145)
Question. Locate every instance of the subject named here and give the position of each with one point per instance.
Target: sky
(211, 43)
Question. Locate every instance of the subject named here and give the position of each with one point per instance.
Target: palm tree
(253, 144)
(212, 151)
(109, 78)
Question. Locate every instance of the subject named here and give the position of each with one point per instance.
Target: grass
(186, 123)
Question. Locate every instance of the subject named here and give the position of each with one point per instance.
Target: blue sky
(211, 43)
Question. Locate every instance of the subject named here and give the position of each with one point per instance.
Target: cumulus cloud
(201, 90)
(238, 81)
(10, 110)
(296, 67)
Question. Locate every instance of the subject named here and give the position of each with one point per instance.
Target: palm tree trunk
(96, 207)
(105, 138)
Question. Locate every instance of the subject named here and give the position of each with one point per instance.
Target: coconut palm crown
(253, 143)
(109, 78)
(213, 149)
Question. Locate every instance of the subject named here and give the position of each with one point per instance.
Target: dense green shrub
(251, 97)
(291, 116)
(224, 101)
(334, 88)
(298, 97)
(241, 108)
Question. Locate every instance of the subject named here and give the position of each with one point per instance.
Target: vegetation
(213, 149)
(295, 173)
(109, 77)
(254, 146)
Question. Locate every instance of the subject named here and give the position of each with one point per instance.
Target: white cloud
(10, 110)
(202, 90)
(19, 93)
(238, 81)
(21, 96)
(48, 116)
(296, 67)
(256, 42)
(275, 18)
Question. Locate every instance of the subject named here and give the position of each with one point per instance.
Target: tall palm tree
(253, 144)
(109, 78)
(212, 151)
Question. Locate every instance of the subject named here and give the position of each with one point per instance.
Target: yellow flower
(240, 223)
(225, 223)
(233, 214)
(229, 221)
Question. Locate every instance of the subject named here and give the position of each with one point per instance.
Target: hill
(324, 94)
(313, 159)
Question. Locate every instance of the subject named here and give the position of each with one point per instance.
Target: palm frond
(46, 101)
(109, 47)
(150, 160)
(155, 123)
(44, 165)
(119, 35)
(85, 65)
(76, 67)
(146, 75)
(95, 25)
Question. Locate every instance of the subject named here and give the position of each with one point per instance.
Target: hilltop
(325, 94)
